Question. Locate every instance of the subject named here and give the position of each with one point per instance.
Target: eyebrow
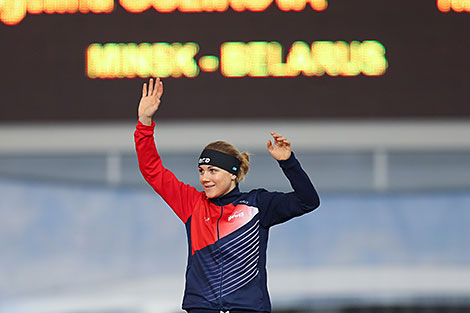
(208, 167)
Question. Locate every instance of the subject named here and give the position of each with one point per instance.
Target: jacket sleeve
(179, 196)
(278, 207)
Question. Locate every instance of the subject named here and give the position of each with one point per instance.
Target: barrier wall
(92, 234)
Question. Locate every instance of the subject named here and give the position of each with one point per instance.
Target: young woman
(227, 229)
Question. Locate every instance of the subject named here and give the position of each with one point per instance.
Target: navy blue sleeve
(278, 207)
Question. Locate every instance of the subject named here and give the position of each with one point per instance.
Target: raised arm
(278, 207)
(179, 196)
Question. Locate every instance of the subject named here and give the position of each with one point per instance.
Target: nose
(204, 177)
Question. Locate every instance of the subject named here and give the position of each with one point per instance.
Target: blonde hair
(244, 157)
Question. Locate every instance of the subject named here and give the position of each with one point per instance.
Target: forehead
(206, 167)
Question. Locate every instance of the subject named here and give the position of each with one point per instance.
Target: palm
(150, 100)
(281, 149)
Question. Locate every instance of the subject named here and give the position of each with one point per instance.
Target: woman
(227, 229)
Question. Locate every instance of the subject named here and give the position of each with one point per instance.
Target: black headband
(223, 160)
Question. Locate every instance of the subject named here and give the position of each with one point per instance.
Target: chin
(212, 195)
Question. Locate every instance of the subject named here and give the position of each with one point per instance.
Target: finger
(281, 141)
(277, 136)
(150, 87)
(144, 90)
(157, 86)
(280, 138)
(269, 145)
(160, 90)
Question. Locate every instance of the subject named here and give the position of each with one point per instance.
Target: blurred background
(370, 93)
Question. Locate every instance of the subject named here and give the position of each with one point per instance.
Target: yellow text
(263, 59)
(194, 6)
(237, 59)
(14, 11)
(454, 5)
(144, 60)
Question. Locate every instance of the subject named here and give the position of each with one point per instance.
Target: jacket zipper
(221, 212)
(220, 255)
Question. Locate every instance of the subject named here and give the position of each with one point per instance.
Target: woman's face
(216, 181)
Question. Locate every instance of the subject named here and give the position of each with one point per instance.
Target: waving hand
(150, 101)
(281, 150)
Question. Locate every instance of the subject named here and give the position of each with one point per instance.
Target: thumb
(269, 145)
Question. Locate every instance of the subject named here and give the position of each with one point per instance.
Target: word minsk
(237, 59)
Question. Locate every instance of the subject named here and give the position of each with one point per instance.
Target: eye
(200, 170)
(213, 170)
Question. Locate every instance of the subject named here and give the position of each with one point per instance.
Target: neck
(227, 197)
(232, 186)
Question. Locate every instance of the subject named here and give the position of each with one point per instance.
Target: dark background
(43, 64)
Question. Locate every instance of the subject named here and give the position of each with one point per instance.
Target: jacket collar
(227, 198)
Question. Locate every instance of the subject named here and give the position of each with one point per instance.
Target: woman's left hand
(281, 149)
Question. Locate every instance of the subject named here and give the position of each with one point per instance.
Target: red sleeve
(179, 196)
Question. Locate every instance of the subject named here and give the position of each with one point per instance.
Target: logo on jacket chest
(239, 214)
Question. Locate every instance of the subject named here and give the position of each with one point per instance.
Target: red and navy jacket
(227, 236)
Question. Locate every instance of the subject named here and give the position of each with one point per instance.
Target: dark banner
(82, 60)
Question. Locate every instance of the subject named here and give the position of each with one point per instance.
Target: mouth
(209, 187)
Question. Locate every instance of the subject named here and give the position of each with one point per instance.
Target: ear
(234, 177)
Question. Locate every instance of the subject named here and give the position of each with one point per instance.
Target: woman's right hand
(150, 101)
